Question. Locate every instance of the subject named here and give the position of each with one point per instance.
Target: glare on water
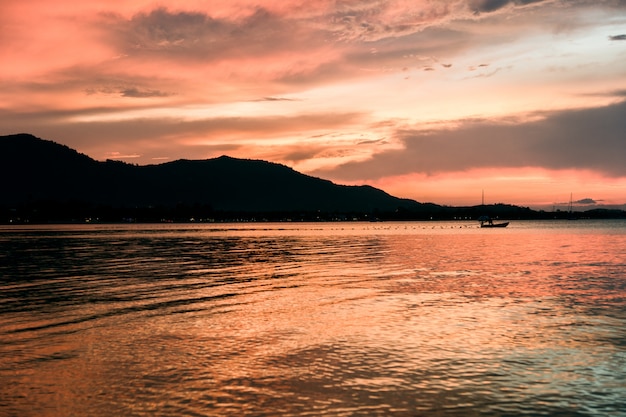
(340, 319)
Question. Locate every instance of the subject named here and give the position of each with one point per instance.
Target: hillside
(43, 181)
(43, 175)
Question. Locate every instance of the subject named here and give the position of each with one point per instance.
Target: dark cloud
(618, 37)
(93, 80)
(593, 139)
(586, 201)
(277, 99)
(137, 93)
(303, 153)
(199, 37)
(161, 30)
(487, 6)
(474, 68)
(611, 93)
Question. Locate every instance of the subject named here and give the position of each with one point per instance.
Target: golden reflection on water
(396, 319)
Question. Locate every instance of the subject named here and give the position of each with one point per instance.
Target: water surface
(337, 319)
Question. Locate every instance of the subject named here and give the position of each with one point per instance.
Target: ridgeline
(47, 182)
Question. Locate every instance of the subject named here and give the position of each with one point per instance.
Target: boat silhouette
(486, 221)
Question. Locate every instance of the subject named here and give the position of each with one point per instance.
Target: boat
(486, 221)
(505, 224)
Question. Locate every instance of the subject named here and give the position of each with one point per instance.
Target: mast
(570, 203)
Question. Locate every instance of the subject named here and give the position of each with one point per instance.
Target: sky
(522, 101)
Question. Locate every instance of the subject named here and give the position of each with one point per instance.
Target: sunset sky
(426, 99)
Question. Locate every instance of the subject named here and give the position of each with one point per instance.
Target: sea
(313, 319)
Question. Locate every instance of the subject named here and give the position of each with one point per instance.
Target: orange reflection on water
(394, 319)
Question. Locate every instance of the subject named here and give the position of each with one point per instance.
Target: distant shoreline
(109, 215)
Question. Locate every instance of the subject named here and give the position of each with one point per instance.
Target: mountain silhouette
(43, 181)
(43, 173)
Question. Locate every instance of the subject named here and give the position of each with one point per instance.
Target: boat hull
(495, 225)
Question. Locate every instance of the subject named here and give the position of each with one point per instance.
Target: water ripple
(396, 319)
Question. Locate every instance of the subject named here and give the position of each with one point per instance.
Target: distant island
(47, 182)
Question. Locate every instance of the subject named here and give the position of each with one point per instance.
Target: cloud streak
(180, 137)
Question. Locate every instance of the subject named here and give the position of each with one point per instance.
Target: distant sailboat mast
(570, 203)
(570, 213)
